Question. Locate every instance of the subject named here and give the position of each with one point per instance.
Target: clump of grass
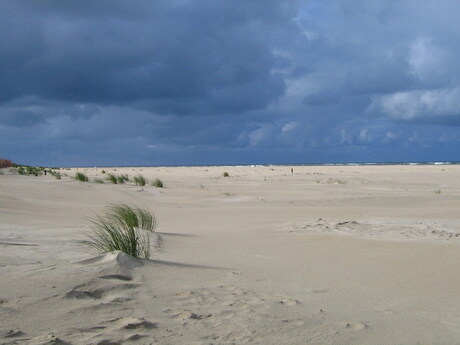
(35, 170)
(157, 183)
(438, 191)
(81, 177)
(56, 174)
(103, 171)
(28, 170)
(226, 174)
(123, 228)
(140, 180)
(112, 178)
(120, 179)
(98, 180)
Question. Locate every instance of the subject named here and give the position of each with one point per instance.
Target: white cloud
(413, 105)
(428, 61)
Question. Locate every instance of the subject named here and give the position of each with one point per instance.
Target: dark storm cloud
(195, 82)
(174, 56)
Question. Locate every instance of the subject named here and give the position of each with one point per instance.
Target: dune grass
(112, 178)
(81, 177)
(157, 183)
(98, 180)
(226, 174)
(123, 227)
(140, 180)
(56, 174)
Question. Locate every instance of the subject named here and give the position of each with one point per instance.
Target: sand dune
(329, 255)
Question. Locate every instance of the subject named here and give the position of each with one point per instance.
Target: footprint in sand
(135, 323)
(108, 342)
(50, 339)
(295, 322)
(180, 314)
(12, 333)
(356, 326)
(97, 293)
(117, 277)
(288, 301)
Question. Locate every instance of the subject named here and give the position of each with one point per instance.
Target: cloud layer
(218, 82)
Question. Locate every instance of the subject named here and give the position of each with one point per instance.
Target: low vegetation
(117, 179)
(56, 174)
(226, 174)
(123, 228)
(98, 180)
(140, 180)
(28, 170)
(157, 183)
(81, 177)
(112, 178)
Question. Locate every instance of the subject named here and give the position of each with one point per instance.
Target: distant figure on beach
(292, 171)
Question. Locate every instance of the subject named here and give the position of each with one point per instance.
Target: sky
(199, 82)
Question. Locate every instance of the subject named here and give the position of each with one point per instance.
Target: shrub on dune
(5, 163)
(140, 180)
(56, 174)
(123, 228)
(157, 183)
(81, 177)
(112, 178)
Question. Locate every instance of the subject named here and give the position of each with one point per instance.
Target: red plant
(5, 163)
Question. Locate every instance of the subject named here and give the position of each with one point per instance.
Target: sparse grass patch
(140, 180)
(438, 191)
(123, 228)
(120, 180)
(81, 177)
(98, 180)
(112, 178)
(157, 183)
(226, 174)
(28, 170)
(56, 174)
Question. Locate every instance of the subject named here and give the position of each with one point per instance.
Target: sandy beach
(326, 255)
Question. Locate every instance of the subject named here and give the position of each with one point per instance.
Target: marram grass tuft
(123, 227)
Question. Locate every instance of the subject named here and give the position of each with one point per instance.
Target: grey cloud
(298, 81)
(177, 57)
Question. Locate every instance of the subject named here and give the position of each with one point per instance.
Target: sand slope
(329, 255)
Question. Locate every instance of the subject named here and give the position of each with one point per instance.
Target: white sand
(330, 255)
